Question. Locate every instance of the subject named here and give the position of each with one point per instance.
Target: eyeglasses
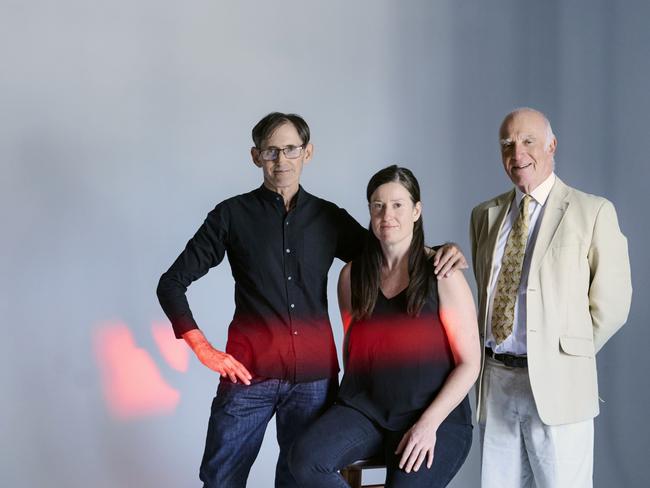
(272, 153)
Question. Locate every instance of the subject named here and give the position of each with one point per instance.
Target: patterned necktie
(503, 307)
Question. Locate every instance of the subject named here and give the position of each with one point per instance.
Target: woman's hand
(417, 444)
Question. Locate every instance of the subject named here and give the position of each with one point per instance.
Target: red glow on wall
(131, 382)
(175, 352)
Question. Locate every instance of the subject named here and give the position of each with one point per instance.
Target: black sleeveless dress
(397, 364)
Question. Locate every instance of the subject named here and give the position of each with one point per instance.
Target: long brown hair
(365, 275)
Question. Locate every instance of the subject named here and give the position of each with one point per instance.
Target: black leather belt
(509, 360)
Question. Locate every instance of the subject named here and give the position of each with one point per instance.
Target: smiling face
(282, 174)
(393, 214)
(527, 149)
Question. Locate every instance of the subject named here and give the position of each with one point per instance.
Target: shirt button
(287, 222)
(288, 251)
(295, 332)
(289, 278)
(292, 305)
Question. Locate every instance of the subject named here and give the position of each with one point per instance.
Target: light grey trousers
(518, 450)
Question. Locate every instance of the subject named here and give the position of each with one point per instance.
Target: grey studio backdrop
(123, 123)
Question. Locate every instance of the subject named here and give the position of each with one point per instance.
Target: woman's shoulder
(345, 275)
(453, 284)
(430, 255)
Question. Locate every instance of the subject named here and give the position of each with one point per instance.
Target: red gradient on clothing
(175, 352)
(131, 381)
(272, 348)
(391, 342)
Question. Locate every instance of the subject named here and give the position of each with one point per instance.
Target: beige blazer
(578, 296)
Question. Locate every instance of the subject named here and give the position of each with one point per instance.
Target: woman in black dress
(412, 354)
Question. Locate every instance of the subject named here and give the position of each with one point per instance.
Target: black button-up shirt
(279, 261)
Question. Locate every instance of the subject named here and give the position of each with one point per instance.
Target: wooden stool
(352, 472)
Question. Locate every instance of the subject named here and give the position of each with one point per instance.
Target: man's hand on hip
(219, 361)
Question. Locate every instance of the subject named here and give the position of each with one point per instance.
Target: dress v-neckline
(394, 296)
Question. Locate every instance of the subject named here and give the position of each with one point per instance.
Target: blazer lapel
(495, 215)
(556, 207)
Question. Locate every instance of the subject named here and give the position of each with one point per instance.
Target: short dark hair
(265, 127)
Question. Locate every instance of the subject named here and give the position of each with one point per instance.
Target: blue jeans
(238, 420)
(344, 435)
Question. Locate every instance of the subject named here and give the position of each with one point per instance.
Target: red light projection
(346, 318)
(174, 351)
(131, 381)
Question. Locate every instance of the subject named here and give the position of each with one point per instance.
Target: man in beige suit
(553, 279)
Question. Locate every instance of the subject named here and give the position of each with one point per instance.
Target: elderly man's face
(526, 152)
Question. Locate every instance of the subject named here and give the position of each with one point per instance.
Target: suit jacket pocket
(577, 346)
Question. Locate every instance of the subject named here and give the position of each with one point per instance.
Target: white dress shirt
(515, 343)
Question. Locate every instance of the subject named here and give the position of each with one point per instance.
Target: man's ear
(309, 152)
(552, 146)
(255, 155)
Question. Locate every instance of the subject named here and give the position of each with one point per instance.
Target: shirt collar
(272, 196)
(539, 194)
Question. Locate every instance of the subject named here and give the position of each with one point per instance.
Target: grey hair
(547, 123)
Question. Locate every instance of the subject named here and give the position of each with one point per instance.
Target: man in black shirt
(280, 357)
